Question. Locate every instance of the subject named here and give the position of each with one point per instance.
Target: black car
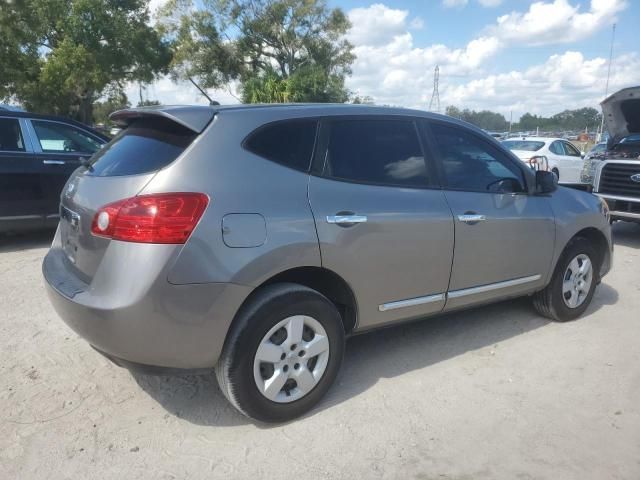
(38, 153)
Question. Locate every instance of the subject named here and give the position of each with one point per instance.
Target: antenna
(435, 96)
(211, 102)
(606, 88)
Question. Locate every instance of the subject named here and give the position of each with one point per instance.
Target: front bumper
(622, 208)
(171, 326)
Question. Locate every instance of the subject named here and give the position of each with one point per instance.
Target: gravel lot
(492, 393)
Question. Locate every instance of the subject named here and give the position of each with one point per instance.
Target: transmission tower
(435, 96)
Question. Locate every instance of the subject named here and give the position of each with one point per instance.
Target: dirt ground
(492, 393)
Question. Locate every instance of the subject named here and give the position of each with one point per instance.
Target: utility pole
(606, 88)
(510, 120)
(435, 96)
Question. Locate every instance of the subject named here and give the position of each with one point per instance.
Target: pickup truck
(615, 172)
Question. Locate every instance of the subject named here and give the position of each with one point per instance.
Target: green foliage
(279, 50)
(567, 120)
(115, 100)
(60, 56)
(484, 119)
(573, 120)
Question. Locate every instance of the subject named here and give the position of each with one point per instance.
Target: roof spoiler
(195, 118)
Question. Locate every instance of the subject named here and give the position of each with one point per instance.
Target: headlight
(588, 171)
(604, 208)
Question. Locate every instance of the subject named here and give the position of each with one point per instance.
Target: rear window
(527, 146)
(289, 142)
(147, 145)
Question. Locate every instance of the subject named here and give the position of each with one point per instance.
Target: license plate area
(70, 228)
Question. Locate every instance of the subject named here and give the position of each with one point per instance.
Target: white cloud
(397, 72)
(376, 25)
(564, 81)
(388, 63)
(556, 22)
(489, 3)
(168, 92)
(454, 3)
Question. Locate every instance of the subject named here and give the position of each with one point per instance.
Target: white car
(563, 159)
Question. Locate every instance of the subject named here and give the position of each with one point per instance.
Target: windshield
(527, 145)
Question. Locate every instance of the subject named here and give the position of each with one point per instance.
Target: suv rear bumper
(171, 326)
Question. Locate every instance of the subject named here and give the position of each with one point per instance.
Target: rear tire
(557, 172)
(270, 368)
(570, 290)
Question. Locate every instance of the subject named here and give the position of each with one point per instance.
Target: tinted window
(289, 143)
(383, 152)
(58, 137)
(526, 145)
(145, 146)
(571, 150)
(556, 147)
(471, 164)
(10, 135)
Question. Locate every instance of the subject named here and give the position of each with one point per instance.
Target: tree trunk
(85, 110)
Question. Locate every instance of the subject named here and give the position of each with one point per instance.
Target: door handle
(346, 220)
(471, 219)
(53, 162)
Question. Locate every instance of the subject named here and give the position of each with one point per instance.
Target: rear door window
(10, 136)
(288, 142)
(376, 151)
(55, 137)
(147, 145)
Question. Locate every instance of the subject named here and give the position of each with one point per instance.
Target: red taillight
(156, 218)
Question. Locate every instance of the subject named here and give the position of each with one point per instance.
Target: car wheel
(573, 283)
(282, 354)
(557, 172)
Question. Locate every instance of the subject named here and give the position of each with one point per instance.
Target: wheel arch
(321, 279)
(329, 284)
(596, 238)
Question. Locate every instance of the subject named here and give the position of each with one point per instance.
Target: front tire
(282, 353)
(573, 283)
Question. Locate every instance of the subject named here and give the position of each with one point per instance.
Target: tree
(61, 56)
(279, 50)
(483, 119)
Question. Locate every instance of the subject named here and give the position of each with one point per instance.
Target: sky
(507, 56)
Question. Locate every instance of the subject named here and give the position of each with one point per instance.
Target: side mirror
(546, 182)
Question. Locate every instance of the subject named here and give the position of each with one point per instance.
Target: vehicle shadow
(626, 234)
(369, 357)
(14, 242)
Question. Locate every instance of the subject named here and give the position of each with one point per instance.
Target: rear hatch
(151, 140)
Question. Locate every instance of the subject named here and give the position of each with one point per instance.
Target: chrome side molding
(493, 286)
(411, 302)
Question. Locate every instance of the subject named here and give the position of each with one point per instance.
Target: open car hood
(622, 114)
(194, 117)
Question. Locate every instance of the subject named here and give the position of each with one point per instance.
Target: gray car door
(504, 236)
(382, 222)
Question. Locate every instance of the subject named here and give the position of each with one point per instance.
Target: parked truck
(615, 172)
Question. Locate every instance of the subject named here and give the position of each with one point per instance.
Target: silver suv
(254, 239)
